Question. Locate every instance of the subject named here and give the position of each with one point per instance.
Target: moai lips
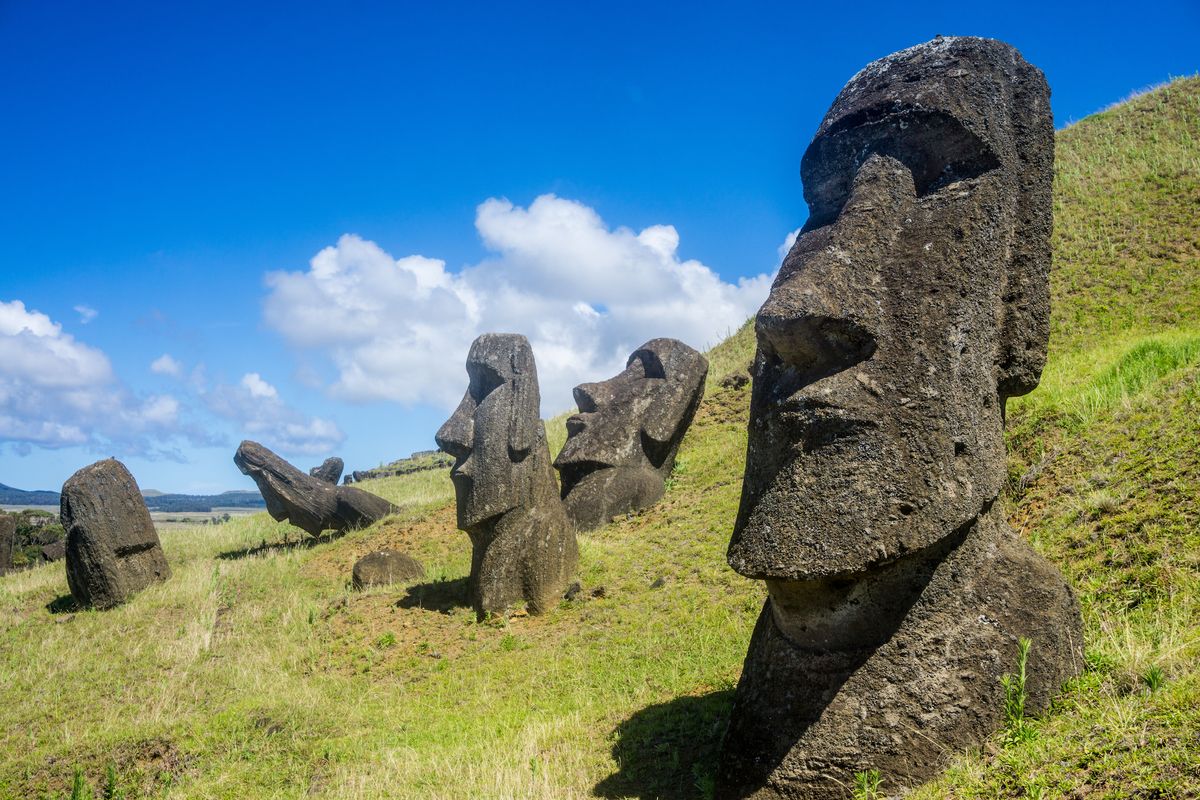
(913, 304)
(621, 446)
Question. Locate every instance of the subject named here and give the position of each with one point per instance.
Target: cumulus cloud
(57, 392)
(788, 241)
(86, 313)
(260, 413)
(584, 293)
(165, 365)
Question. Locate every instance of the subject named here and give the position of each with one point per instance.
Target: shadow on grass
(65, 604)
(669, 750)
(444, 596)
(303, 541)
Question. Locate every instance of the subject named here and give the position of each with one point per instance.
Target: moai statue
(330, 470)
(621, 445)
(112, 549)
(311, 504)
(913, 304)
(523, 546)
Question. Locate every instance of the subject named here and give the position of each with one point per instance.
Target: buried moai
(330, 470)
(913, 304)
(112, 549)
(523, 546)
(621, 445)
(309, 503)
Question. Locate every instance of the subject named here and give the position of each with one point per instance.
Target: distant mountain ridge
(19, 497)
(155, 501)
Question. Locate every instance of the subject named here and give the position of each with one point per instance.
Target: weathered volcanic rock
(8, 537)
(384, 567)
(621, 445)
(330, 470)
(308, 503)
(523, 546)
(912, 305)
(112, 549)
(55, 551)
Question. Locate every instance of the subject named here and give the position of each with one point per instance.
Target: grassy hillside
(256, 672)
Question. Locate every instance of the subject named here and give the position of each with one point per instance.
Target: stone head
(635, 419)
(494, 429)
(913, 303)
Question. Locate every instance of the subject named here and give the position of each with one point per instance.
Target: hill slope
(255, 672)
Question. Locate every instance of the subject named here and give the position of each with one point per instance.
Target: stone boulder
(330, 470)
(621, 446)
(55, 551)
(523, 546)
(8, 539)
(912, 305)
(308, 503)
(112, 549)
(385, 567)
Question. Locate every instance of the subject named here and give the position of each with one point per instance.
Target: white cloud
(260, 413)
(86, 313)
(59, 392)
(584, 294)
(165, 365)
(788, 241)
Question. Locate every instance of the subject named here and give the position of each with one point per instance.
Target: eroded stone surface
(523, 546)
(8, 537)
(621, 445)
(330, 470)
(307, 502)
(913, 304)
(385, 567)
(112, 549)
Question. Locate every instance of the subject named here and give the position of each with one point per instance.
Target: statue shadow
(669, 751)
(267, 548)
(64, 604)
(441, 595)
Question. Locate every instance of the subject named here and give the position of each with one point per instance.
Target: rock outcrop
(621, 446)
(523, 546)
(112, 549)
(330, 470)
(912, 305)
(308, 503)
(8, 539)
(385, 567)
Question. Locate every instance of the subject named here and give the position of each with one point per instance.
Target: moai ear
(1026, 331)
(525, 402)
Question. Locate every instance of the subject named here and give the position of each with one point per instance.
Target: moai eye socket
(937, 148)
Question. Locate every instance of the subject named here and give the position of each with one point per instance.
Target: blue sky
(311, 211)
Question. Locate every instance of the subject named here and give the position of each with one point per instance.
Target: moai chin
(913, 304)
(523, 547)
(621, 446)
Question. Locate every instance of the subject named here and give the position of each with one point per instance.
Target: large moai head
(494, 429)
(621, 445)
(914, 302)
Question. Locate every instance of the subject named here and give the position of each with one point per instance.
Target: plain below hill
(255, 672)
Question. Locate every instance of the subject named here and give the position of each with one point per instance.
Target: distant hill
(19, 497)
(420, 461)
(204, 502)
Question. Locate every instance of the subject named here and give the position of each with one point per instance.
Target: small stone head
(494, 429)
(634, 420)
(914, 302)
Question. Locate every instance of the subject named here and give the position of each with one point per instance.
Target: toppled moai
(112, 549)
(621, 446)
(308, 503)
(330, 470)
(523, 546)
(913, 304)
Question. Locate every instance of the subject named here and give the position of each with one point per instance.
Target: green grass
(256, 671)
